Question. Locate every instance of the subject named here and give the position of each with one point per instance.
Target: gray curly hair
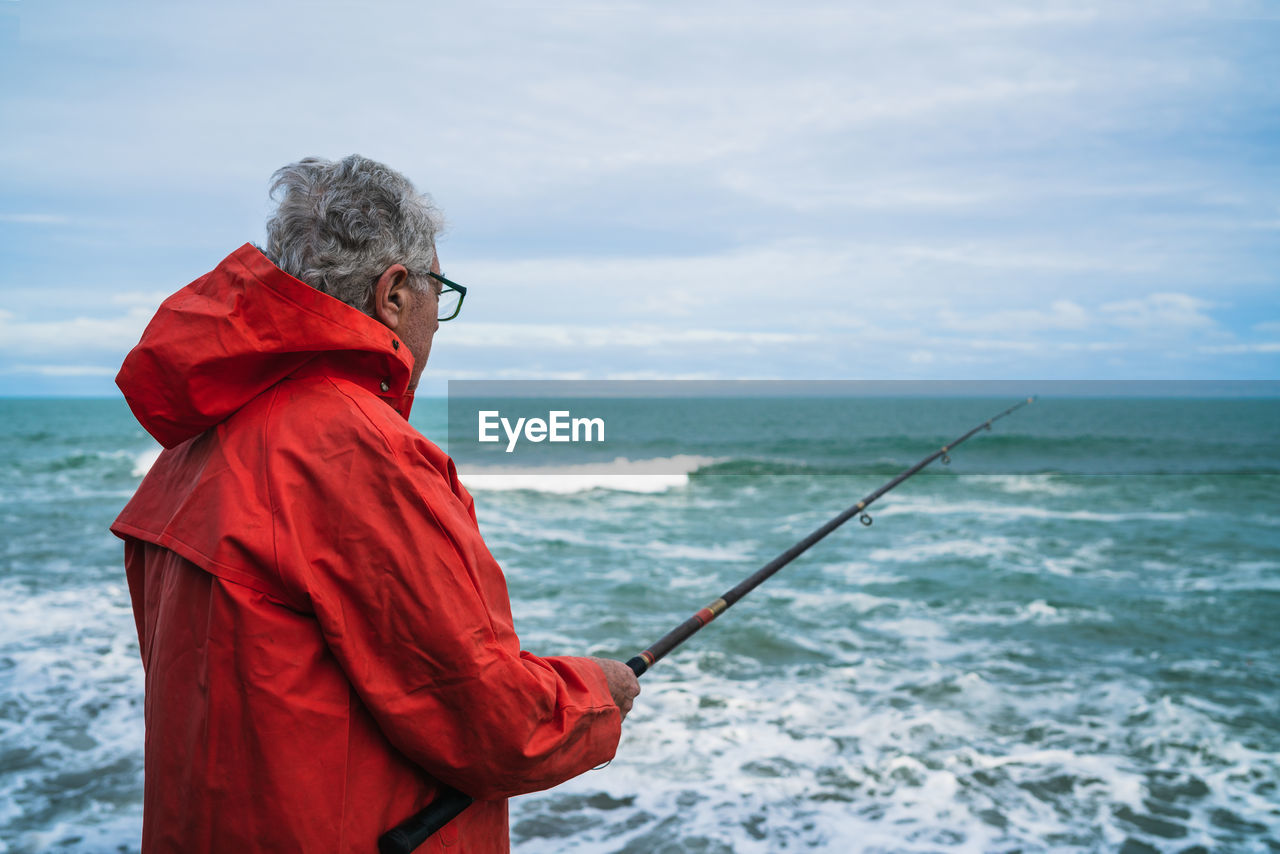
(339, 225)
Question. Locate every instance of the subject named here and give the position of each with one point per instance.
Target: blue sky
(663, 191)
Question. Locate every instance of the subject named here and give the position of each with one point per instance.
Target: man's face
(420, 323)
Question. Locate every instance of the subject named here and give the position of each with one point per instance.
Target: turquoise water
(1061, 642)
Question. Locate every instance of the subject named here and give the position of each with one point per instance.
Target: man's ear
(391, 296)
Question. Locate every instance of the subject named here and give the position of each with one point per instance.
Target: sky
(704, 190)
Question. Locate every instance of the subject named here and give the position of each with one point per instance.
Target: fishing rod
(409, 834)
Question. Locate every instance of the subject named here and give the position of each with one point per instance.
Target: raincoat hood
(238, 330)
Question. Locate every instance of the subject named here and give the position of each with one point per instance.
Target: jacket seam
(360, 408)
(190, 553)
(266, 476)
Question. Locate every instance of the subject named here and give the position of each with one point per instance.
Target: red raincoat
(324, 633)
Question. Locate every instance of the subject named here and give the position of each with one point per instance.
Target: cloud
(616, 338)
(1156, 314)
(765, 285)
(1159, 313)
(1006, 255)
(149, 300)
(1061, 315)
(715, 189)
(75, 336)
(1235, 349)
(34, 218)
(62, 370)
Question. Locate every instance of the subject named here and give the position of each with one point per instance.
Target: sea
(1064, 640)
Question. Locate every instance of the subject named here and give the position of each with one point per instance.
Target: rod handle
(413, 831)
(638, 665)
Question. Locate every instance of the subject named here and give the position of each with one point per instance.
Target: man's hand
(623, 684)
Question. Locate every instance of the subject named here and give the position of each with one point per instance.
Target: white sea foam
(1038, 612)
(1093, 558)
(850, 602)
(770, 764)
(735, 553)
(143, 462)
(1237, 575)
(1040, 609)
(1019, 484)
(941, 506)
(72, 687)
(623, 475)
(989, 546)
(913, 629)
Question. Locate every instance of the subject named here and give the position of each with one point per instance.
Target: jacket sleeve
(416, 611)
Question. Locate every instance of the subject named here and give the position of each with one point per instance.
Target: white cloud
(436, 385)
(768, 284)
(73, 336)
(537, 96)
(1005, 255)
(1061, 315)
(1236, 349)
(616, 338)
(62, 370)
(34, 218)
(843, 187)
(1156, 314)
(1159, 313)
(149, 300)
(1005, 344)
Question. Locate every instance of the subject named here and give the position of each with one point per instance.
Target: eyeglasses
(451, 295)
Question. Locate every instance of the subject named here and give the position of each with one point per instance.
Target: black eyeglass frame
(453, 286)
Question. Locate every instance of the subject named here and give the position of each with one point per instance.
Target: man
(326, 639)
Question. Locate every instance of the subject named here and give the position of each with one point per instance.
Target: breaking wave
(621, 475)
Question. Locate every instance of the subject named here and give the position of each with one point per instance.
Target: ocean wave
(770, 467)
(143, 462)
(1039, 612)
(623, 475)
(941, 758)
(1019, 484)
(990, 510)
(968, 547)
(71, 725)
(1025, 471)
(685, 552)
